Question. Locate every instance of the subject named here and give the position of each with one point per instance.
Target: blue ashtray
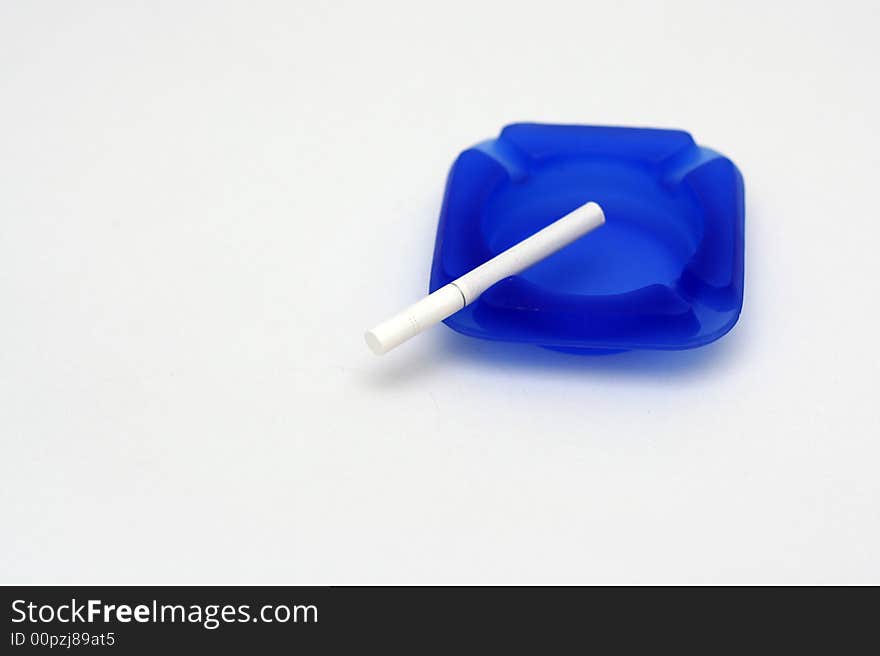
(664, 272)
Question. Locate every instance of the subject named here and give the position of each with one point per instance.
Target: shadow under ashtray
(634, 363)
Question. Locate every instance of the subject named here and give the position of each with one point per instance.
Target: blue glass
(664, 272)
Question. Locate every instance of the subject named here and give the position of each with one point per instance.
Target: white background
(203, 205)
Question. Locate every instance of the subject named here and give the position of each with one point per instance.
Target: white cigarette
(463, 291)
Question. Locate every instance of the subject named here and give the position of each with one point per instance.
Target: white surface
(190, 190)
(451, 298)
